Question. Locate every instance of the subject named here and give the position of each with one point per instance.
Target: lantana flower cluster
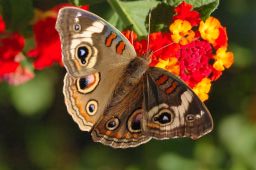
(15, 63)
(192, 49)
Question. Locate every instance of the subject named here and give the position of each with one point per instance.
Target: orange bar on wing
(161, 80)
(170, 89)
(110, 39)
(120, 47)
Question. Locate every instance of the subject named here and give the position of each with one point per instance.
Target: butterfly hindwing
(172, 109)
(120, 125)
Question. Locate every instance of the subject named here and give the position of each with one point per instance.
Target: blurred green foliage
(36, 131)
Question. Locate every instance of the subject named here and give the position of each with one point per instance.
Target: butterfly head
(148, 56)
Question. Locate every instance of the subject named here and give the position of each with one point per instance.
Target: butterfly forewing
(89, 43)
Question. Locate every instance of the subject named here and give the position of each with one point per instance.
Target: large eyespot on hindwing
(88, 83)
(161, 114)
(164, 116)
(134, 121)
(86, 55)
(112, 124)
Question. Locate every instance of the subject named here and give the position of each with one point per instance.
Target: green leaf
(17, 13)
(133, 13)
(207, 10)
(115, 20)
(161, 15)
(194, 3)
(205, 7)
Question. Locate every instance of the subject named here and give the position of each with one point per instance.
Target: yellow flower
(169, 65)
(181, 32)
(223, 59)
(202, 89)
(209, 29)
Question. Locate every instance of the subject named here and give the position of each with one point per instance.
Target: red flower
(48, 46)
(7, 67)
(222, 40)
(160, 43)
(10, 47)
(2, 25)
(130, 35)
(215, 74)
(162, 46)
(194, 62)
(184, 12)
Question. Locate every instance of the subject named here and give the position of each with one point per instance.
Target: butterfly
(114, 94)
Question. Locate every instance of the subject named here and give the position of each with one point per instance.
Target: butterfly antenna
(149, 24)
(162, 47)
(169, 45)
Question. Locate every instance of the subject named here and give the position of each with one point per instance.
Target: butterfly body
(115, 95)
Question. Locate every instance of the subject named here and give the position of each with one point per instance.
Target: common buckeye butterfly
(115, 95)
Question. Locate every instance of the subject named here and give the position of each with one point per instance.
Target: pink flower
(194, 61)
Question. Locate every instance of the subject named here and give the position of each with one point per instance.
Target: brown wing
(95, 55)
(90, 44)
(86, 97)
(120, 126)
(173, 110)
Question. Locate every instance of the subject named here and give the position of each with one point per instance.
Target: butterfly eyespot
(88, 83)
(91, 107)
(112, 124)
(82, 53)
(77, 27)
(190, 118)
(134, 122)
(164, 117)
(85, 55)
(83, 83)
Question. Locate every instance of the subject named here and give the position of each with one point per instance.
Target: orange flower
(181, 32)
(202, 89)
(209, 29)
(223, 59)
(171, 65)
